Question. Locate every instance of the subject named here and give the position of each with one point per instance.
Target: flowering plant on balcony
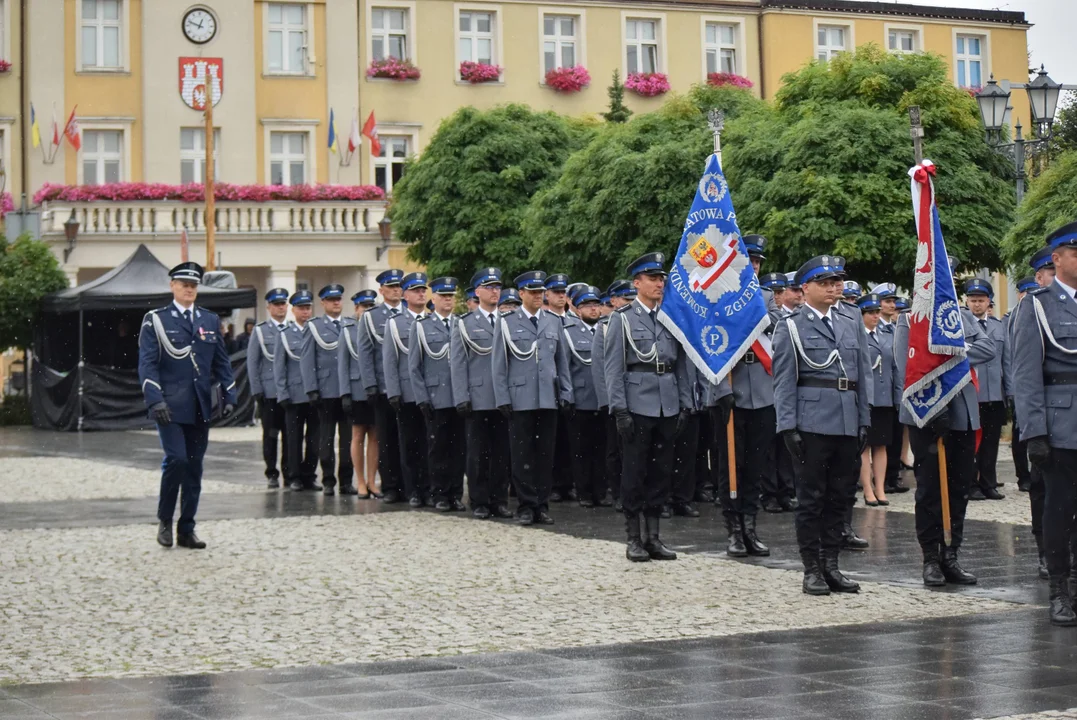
(723, 79)
(393, 69)
(647, 84)
(5, 65)
(476, 73)
(973, 91)
(7, 204)
(568, 80)
(195, 193)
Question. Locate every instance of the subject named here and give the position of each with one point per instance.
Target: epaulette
(623, 308)
(1038, 291)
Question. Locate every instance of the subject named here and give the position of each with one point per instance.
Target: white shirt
(527, 314)
(414, 315)
(1070, 291)
(828, 315)
(183, 309)
(488, 315)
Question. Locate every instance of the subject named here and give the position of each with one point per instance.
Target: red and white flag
(764, 353)
(55, 129)
(354, 138)
(71, 130)
(370, 129)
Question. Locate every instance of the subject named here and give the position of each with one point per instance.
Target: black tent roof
(140, 283)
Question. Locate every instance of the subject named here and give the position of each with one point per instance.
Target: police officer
(686, 452)
(431, 381)
(850, 293)
(757, 246)
(401, 393)
(887, 294)
(557, 304)
(485, 429)
(300, 415)
(621, 293)
(471, 299)
(821, 397)
(1045, 380)
(776, 491)
(650, 395)
(508, 301)
(371, 340)
(353, 395)
(181, 354)
(531, 383)
(1017, 444)
(260, 375)
(991, 393)
(587, 428)
(886, 396)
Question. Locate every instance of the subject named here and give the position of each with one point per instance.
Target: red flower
(568, 80)
(195, 193)
(728, 79)
(476, 73)
(647, 84)
(4, 66)
(393, 69)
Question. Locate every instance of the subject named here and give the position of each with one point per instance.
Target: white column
(281, 276)
(72, 272)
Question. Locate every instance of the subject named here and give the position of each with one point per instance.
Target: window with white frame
(559, 41)
(102, 156)
(477, 36)
(193, 155)
(101, 27)
(903, 41)
(970, 61)
(830, 40)
(389, 33)
(389, 165)
(286, 40)
(721, 48)
(287, 158)
(641, 45)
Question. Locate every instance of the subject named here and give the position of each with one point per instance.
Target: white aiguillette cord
(262, 343)
(425, 347)
(647, 357)
(164, 343)
(1041, 317)
(572, 349)
(471, 344)
(348, 341)
(794, 335)
(327, 346)
(511, 346)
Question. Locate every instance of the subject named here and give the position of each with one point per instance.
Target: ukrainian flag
(333, 147)
(35, 131)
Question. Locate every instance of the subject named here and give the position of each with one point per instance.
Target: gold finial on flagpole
(716, 120)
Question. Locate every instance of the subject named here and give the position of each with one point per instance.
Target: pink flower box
(195, 193)
(647, 84)
(476, 73)
(568, 80)
(7, 204)
(5, 66)
(393, 69)
(728, 80)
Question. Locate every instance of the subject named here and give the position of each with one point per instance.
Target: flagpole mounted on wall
(716, 119)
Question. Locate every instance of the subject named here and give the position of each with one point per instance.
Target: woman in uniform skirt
(364, 460)
(883, 409)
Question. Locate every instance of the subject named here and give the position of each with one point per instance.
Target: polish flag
(763, 353)
(370, 129)
(71, 130)
(354, 138)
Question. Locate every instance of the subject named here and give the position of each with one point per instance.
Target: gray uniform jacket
(646, 393)
(991, 375)
(580, 342)
(598, 362)
(530, 365)
(431, 379)
(470, 361)
(320, 345)
(287, 360)
(371, 339)
(260, 351)
(964, 408)
(1045, 409)
(394, 357)
(821, 410)
(753, 386)
(349, 367)
(885, 381)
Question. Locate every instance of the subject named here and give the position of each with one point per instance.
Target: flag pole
(211, 213)
(731, 451)
(944, 491)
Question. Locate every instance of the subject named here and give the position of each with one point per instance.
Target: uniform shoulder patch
(623, 308)
(1038, 291)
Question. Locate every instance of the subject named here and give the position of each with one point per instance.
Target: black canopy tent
(85, 370)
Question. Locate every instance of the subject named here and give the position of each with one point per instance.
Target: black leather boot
(1061, 602)
(952, 570)
(933, 576)
(164, 534)
(751, 540)
(1043, 558)
(834, 578)
(634, 551)
(850, 540)
(654, 545)
(735, 528)
(814, 584)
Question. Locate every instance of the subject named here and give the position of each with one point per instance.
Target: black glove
(861, 439)
(346, 403)
(724, 407)
(286, 402)
(794, 443)
(567, 408)
(371, 392)
(1039, 452)
(228, 409)
(464, 408)
(259, 405)
(604, 410)
(314, 396)
(505, 410)
(625, 426)
(160, 413)
(394, 403)
(940, 424)
(427, 410)
(682, 420)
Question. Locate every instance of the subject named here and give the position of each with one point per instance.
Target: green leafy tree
(460, 205)
(1050, 203)
(28, 271)
(1065, 128)
(618, 112)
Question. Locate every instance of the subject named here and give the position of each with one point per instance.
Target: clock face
(199, 25)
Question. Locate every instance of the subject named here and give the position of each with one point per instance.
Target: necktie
(187, 316)
(394, 312)
(491, 318)
(983, 324)
(652, 314)
(280, 327)
(446, 321)
(336, 324)
(534, 321)
(872, 334)
(826, 321)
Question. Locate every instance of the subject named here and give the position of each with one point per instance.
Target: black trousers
(685, 463)
(488, 464)
(782, 483)
(412, 429)
(893, 456)
(822, 491)
(587, 435)
(1060, 480)
(1036, 494)
(532, 443)
(562, 458)
(705, 454)
(392, 479)
(273, 433)
(333, 421)
(184, 447)
(446, 455)
(753, 437)
(1019, 448)
(613, 457)
(992, 418)
(648, 464)
(960, 473)
(301, 443)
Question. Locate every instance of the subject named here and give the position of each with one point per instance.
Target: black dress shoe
(273, 483)
(814, 584)
(789, 504)
(555, 496)
(295, 486)
(525, 517)
(1023, 485)
(932, 574)
(896, 488)
(976, 494)
(190, 540)
(1043, 574)
(835, 579)
(503, 512)
(415, 501)
(704, 496)
(312, 485)
(481, 512)
(390, 497)
(685, 510)
(585, 503)
(667, 512)
(605, 502)
(543, 518)
(952, 570)
(348, 489)
(1061, 609)
(771, 505)
(617, 506)
(735, 530)
(458, 505)
(852, 541)
(653, 544)
(993, 494)
(572, 495)
(164, 534)
(752, 543)
(441, 506)
(329, 490)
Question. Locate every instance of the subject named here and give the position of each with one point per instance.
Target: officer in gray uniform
(263, 388)
(1045, 391)
(431, 382)
(620, 293)
(371, 340)
(1017, 444)
(557, 303)
(821, 397)
(887, 293)
(777, 493)
(650, 395)
(991, 393)
(300, 416)
(400, 391)
(686, 451)
(586, 424)
(532, 382)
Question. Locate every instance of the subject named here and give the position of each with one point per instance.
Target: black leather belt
(749, 358)
(833, 383)
(1060, 378)
(656, 368)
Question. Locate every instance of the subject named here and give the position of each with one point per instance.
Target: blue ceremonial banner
(712, 303)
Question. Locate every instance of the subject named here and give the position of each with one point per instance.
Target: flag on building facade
(333, 147)
(936, 367)
(370, 129)
(354, 138)
(713, 303)
(35, 129)
(55, 129)
(71, 130)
